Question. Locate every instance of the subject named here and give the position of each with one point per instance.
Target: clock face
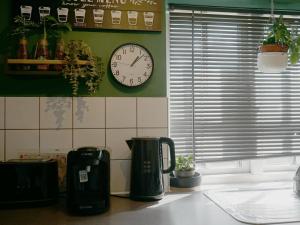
(131, 65)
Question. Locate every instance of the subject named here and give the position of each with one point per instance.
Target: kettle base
(146, 198)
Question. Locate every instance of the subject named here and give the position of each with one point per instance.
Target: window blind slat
(221, 106)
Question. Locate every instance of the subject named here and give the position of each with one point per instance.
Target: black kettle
(147, 167)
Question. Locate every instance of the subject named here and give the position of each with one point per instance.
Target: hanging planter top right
(280, 39)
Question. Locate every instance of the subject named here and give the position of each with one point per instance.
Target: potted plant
(185, 175)
(49, 27)
(184, 166)
(21, 29)
(90, 72)
(55, 31)
(280, 39)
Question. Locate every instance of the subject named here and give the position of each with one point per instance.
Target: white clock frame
(131, 64)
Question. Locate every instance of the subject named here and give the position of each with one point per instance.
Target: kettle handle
(171, 144)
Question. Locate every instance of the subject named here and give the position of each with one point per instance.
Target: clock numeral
(139, 79)
(145, 74)
(149, 66)
(131, 49)
(124, 78)
(146, 58)
(117, 73)
(124, 51)
(118, 57)
(114, 64)
(131, 81)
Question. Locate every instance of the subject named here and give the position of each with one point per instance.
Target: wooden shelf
(11, 71)
(32, 73)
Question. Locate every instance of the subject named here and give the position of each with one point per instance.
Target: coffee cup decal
(26, 11)
(148, 18)
(116, 17)
(79, 15)
(62, 15)
(132, 17)
(98, 15)
(44, 11)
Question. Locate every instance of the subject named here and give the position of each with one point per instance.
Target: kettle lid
(146, 138)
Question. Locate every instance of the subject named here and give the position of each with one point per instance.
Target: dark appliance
(147, 167)
(28, 183)
(88, 180)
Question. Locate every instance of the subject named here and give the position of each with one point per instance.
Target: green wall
(102, 42)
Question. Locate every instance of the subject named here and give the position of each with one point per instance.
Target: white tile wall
(2, 102)
(116, 141)
(2, 145)
(58, 124)
(89, 137)
(89, 112)
(152, 132)
(22, 113)
(20, 142)
(53, 141)
(55, 112)
(166, 176)
(120, 176)
(155, 132)
(120, 112)
(152, 112)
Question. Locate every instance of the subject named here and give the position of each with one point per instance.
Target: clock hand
(136, 60)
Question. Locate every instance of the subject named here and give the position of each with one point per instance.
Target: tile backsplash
(59, 124)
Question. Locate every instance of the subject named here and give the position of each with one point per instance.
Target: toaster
(28, 183)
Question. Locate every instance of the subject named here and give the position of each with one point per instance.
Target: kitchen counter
(181, 208)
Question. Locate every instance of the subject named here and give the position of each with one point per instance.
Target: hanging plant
(90, 73)
(280, 39)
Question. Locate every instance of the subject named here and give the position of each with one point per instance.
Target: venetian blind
(221, 106)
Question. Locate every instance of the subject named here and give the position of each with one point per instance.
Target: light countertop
(179, 208)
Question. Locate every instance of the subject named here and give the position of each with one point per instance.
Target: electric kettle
(147, 167)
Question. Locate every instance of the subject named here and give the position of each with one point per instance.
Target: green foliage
(49, 26)
(52, 28)
(184, 163)
(279, 34)
(90, 73)
(22, 27)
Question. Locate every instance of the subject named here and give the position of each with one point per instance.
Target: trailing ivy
(90, 73)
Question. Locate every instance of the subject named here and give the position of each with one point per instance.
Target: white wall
(58, 124)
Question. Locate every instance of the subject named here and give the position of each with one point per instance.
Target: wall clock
(131, 64)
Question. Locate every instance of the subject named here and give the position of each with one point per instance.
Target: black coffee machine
(147, 167)
(88, 180)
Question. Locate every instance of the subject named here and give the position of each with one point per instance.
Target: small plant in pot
(56, 31)
(49, 27)
(184, 166)
(280, 39)
(22, 29)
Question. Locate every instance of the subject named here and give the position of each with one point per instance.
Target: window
(221, 106)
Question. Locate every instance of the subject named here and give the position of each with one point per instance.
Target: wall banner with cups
(95, 14)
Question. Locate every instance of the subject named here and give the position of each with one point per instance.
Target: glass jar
(42, 52)
(23, 53)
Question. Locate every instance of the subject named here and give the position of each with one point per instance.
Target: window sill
(245, 180)
(282, 176)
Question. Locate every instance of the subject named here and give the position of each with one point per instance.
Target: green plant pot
(185, 182)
